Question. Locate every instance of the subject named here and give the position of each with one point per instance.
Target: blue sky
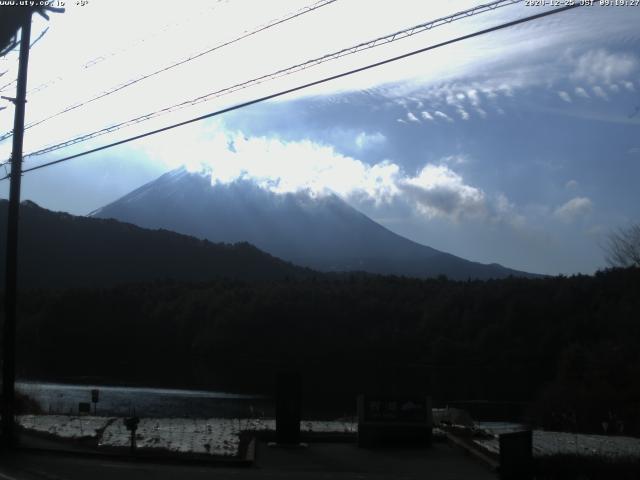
(520, 147)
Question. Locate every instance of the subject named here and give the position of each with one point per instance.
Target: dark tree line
(566, 344)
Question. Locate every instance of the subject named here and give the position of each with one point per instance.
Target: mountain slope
(58, 249)
(321, 232)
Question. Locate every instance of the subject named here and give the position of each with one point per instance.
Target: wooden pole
(11, 265)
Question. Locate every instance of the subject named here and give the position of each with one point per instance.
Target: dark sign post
(95, 396)
(132, 425)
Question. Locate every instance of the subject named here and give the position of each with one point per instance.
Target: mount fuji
(322, 232)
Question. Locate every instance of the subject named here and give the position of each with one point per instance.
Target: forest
(566, 347)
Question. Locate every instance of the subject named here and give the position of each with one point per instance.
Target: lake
(58, 398)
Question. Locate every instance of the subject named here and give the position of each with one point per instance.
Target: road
(318, 461)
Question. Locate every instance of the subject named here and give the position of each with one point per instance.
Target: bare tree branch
(623, 247)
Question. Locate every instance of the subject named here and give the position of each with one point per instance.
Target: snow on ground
(64, 426)
(214, 436)
(553, 443)
(221, 436)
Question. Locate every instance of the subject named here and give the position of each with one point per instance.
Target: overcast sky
(520, 147)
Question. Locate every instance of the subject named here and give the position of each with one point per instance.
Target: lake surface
(58, 398)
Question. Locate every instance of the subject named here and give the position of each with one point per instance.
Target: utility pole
(11, 273)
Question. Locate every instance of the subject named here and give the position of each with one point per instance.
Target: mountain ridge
(57, 249)
(321, 232)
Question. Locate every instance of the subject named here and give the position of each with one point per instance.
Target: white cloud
(473, 97)
(600, 65)
(274, 164)
(451, 99)
(456, 159)
(504, 210)
(463, 113)
(367, 140)
(439, 191)
(442, 115)
(574, 208)
(598, 90)
(571, 184)
(491, 94)
(581, 92)
(467, 94)
(506, 89)
(285, 167)
(574, 74)
(426, 115)
(292, 166)
(412, 118)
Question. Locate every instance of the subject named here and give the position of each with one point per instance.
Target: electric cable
(183, 61)
(307, 85)
(407, 32)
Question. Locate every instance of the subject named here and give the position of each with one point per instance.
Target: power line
(2, 89)
(272, 23)
(307, 85)
(42, 34)
(99, 59)
(96, 60)
(407, 32)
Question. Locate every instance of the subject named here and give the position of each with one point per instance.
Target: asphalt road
(318, 461)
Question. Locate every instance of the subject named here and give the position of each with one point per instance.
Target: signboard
(395, 410)
(84, 408)
(131, 423)
(516, 455)
(394, 420)
(95, 395)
